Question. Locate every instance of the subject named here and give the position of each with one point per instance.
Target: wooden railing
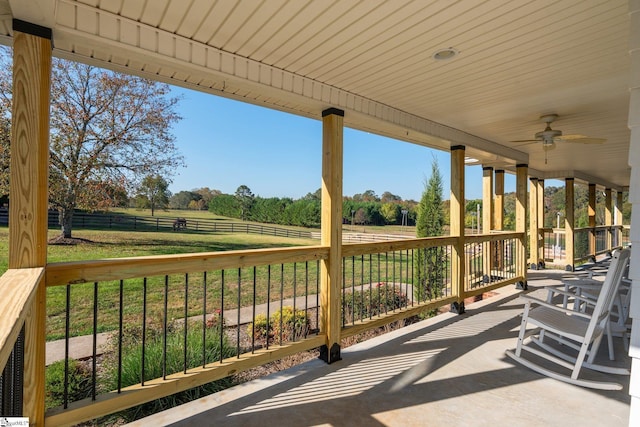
(237, 300)
(18, 290)
(588, 242)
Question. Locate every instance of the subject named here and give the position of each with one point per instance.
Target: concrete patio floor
(446, 371)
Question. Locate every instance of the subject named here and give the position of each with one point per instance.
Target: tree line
(360, 209)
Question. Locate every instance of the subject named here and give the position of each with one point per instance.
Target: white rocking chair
(575, 330)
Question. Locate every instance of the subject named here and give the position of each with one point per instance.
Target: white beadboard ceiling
(517, 60)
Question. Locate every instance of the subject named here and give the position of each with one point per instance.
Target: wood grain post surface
(331, 232)
(457, 207)
(533, 222)
(592, 219)
(569, 225)
(521, 218)
(29, 170)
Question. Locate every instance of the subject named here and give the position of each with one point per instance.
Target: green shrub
(132, 364)
(283, 323)
(79, 383)
(382, 298)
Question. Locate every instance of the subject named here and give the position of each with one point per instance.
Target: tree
(389, 197)
(430, 263)
(106, 128)
(206, 194)
(183, 199)
(224, 205)
(153, 193)
(245, 197)
(390, 212)
(5, 132)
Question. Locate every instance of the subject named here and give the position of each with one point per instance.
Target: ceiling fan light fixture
(445, 54)
(548, 145)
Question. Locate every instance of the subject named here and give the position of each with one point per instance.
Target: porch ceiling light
(445, 54)
(468, 160)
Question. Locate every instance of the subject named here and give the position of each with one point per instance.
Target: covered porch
(362, 66)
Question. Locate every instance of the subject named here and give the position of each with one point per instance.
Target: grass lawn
(282, 281)
(117, 244)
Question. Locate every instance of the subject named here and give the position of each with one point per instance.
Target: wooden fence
(83, 220)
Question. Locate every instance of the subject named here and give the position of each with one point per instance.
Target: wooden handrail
(18, 289)
(493, 237)
(352, 249)
(126, 268)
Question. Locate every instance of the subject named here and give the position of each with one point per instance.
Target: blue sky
(228, 143)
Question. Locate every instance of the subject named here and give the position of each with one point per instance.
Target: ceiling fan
(549, 136)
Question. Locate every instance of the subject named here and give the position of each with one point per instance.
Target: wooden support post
(29, 171)
(487, 219)
(457, 209)
(618, 217)
(608, 218)
(592, 220)
(498, 219)
(540, 210)
(331, 232)
(521, 222)
(569, 224)
(533, 224)
(498, 204)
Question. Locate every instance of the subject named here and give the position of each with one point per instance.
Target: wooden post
(540, 210)
(608, 218)
(498, 204)
(569, 224)
(592, 220)
(487, 219)
(29, 172)
(521, 222)
(618, 217)
(457, 209)
(498, 219)
(331, 232)
(533, 224)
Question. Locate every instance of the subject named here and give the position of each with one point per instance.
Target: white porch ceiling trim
(181, 61)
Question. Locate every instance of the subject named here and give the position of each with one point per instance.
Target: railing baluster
(65, 393)
(186, 320)
(353, 290)
(371, 286)
(204, 319)
(120, 318)
(164, 331)
(95, 342)
(362, 307)
(144, 330)
(306, 295)
(281, 298)
(253, 318)
(221, 314)
(268, 328)
(386, 282)
(295, 281)
(318, 294)
(239, 305)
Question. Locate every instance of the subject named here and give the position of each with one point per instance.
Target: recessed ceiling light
(444, 54)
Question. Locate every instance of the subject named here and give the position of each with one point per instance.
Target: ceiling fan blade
(526, 140)
(581, 139)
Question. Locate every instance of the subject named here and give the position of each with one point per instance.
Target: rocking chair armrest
(558, 291)
(529, 300)
(581, 282)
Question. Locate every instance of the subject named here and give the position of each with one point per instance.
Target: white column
(634, 199)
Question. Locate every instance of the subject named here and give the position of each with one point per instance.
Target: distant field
(103, 244)
(117, 244)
